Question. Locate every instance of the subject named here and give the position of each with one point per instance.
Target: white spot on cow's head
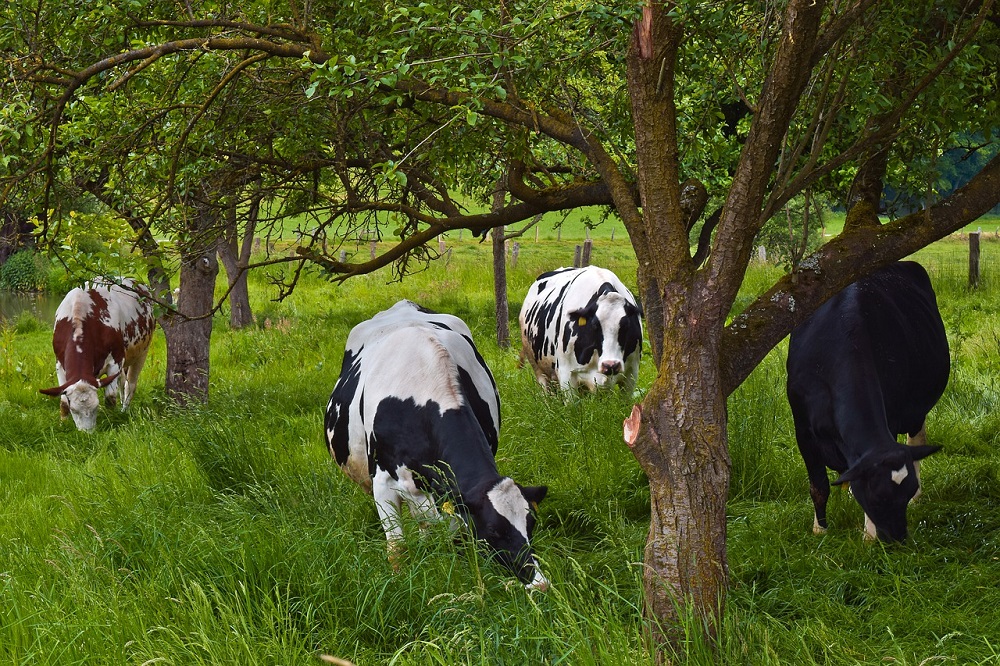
(508, 501)
(82, 398)
(900, 474)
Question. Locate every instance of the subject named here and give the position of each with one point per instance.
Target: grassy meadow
(225, 534)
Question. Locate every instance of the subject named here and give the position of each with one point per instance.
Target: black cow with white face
(581, 328)
(415, 418)
(867, 366)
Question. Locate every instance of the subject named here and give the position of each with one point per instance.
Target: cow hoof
(818, 530)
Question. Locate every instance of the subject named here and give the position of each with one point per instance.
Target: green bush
(26, 322)
(23, 271)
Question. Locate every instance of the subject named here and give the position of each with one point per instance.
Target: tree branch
(844, 259)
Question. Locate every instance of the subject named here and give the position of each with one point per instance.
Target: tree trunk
(500, 269)
(500, 288)
(189, 332)
(240, 314)
(678, 435)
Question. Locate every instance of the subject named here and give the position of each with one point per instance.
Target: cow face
(604, 333)
(504, 519)
(883, 482)
(82, 400)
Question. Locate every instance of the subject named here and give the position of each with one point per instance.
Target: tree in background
(697, 122)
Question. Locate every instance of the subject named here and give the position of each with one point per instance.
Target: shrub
(26, 322)
(23, 271)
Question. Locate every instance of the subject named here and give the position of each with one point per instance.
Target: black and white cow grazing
(865, 367)
(581, 328)
(100, 329)
(415, 417)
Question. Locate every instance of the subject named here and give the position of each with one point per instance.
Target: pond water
(42, 306)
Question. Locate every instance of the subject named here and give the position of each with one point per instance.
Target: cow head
(503, 517)
(883, 481)
(605, 332)
(81, 398)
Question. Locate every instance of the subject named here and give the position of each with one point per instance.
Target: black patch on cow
(630, 330)
(337, 414)
(439, 448)
(548, 274)
(439, 325)
(421, 308)
(540, 317)
(589, 336)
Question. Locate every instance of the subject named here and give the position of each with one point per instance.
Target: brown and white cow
(100, 329)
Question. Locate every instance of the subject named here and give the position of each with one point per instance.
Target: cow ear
(583, 315)
(923, 450)
(853, 474)
(534, 494)
(107, 380)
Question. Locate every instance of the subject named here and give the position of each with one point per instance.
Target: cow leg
(63, 400)
(388, 504)
(111, 390)
(819, 482)
(917, 440)
(132, 376)
(422, 508)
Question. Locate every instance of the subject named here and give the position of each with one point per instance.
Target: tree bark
(189, 332)
(234, 260)
(678, 434)
(240, 314)
(500, 270)
(500, 288)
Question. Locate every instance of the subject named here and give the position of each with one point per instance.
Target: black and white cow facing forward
(415, 418)
(581, 328)
(867, 366)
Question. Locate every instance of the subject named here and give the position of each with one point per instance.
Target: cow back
(880, 341)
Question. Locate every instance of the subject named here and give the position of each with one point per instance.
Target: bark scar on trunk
(644, 33)
(630, 426)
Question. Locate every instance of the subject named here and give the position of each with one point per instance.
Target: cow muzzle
(611, 367)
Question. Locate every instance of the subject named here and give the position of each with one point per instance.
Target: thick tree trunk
(189, 332)
(678, 435)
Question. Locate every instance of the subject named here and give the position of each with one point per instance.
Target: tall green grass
(224, 534)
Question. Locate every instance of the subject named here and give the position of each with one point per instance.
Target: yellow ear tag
(582, 321)
(448, 508)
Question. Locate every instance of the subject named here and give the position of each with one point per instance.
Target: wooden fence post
(974, 259)
(576, 256)
(343, 256)
(513, 254)
(440, 245)
(587, 245)
(374, 247)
